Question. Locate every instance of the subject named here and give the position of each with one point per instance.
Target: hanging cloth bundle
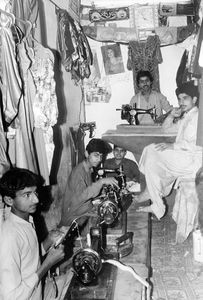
(73, 46)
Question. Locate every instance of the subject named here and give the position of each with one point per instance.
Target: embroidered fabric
(45, 102)
(145, 55)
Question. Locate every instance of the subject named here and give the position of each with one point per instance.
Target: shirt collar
(20, 220)
(86, 166)
(194, 109)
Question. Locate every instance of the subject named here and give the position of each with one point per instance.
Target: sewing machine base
(102, 289)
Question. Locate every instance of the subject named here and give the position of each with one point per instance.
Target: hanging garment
(182, 73)
(145, 55)
(16, 107)
(44, 102)
(11, 83)
(4, 162)
(200, 119)
(73, 46)
(25, 145)
(25, 10)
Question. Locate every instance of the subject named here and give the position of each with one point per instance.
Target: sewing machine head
(109, 207)
(118, 173)
(131, 113)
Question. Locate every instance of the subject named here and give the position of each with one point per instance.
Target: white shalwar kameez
(19, 260)
(162, 168)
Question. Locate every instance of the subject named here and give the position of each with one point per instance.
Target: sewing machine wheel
(108, 211)
(86, 264)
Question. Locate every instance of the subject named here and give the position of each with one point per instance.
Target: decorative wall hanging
(96, 88)
(172, 9)
(73, 8)
(99, 93)
(112, 58)
(144, 20)
(109, 14)
(108, 34)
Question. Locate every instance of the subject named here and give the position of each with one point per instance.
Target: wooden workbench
(135, 137)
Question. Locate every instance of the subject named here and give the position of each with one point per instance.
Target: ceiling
(119, 3)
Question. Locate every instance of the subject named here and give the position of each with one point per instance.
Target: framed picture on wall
(112, 59)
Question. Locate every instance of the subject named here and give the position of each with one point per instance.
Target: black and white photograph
(112, 59)
(101, 150)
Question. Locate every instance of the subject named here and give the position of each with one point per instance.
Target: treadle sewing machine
(131, 113)
(91, 273)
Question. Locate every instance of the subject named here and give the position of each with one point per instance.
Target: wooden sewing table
(135, 137)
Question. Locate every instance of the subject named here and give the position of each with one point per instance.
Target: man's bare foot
(146, 209)
(142, 197)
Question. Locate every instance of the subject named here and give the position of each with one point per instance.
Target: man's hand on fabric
(164, 146)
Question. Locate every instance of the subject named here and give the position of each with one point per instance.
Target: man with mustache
(148, 98)
(164, 163)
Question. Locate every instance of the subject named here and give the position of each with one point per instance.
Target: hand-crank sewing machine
(131, 113)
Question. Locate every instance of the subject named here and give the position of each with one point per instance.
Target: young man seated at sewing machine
(147, 98)
(80, 189)
(129, 167)
(164, 163)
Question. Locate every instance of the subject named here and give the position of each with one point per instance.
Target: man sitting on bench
(164, 163)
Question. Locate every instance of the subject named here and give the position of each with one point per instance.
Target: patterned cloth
(145, 55)
(45, 102)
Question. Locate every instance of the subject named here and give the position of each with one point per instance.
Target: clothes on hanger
(45, 102)
(29, 99)
(145, 55)
(25, 10)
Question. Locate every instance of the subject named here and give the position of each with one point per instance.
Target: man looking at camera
(148, 98)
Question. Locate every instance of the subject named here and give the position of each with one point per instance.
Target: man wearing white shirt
(20, 268)
(163, 163)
